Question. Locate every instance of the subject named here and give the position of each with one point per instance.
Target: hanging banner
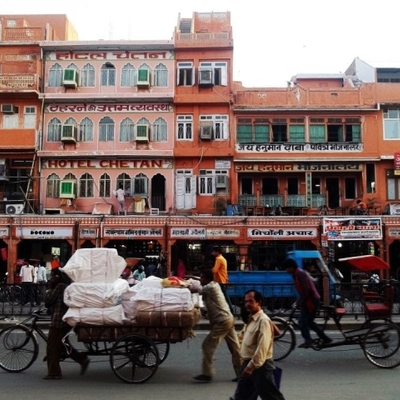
(397, 163)
(353, 228)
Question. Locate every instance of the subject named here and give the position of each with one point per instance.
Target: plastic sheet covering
(95, 316)
(95, 295)
(97, 265)
(167, 299)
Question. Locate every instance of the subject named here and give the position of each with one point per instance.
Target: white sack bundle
(129, 304)
(95, 295)
(95, 316)
(151, 281)
(97, 265)
(164, 299)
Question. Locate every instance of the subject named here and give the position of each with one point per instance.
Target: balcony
(23, 34)
(18, 139)
(203, 39)
(19, 82)
(298, 200)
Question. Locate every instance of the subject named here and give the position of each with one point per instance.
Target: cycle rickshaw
(378, 336)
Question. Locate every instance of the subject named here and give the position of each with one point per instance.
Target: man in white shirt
(27, 275)
(41, 281)
(120, 194)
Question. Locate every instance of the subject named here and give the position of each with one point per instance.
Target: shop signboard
(282, 233)
(44, 232)
(4, 232)
(397, 163)
(188, 233)
(358, 228)
(130, 233)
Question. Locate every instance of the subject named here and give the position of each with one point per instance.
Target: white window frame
(390, 118)
(185, 73)
(30, 117)
(219, 69)
(186, 121)
(185, 189)
(220, 124)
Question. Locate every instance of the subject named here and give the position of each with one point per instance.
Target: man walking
(308, 303)
(257, 372)
(220, 271)
(222, 326)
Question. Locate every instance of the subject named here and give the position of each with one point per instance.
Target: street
(341, 373)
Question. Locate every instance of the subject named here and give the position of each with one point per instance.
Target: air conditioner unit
(206, 132)
(70, 78)
(9, 109)
(143, 77)
(221, 181)
(14, 209)
(206, 77)
(69, 133)
(53, 211)
(67, 189)
(142, 133)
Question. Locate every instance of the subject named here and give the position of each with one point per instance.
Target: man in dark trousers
(257, 371)
(308, 303)
(58, 328)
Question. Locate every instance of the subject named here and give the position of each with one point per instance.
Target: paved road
(342, 373)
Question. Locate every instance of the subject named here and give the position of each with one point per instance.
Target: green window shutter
(297, 134)
(261, 133)
(244, 134)
(143, 75)
(317, 134)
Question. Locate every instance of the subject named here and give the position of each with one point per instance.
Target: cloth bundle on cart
(95, 296)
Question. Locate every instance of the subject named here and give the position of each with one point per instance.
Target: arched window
(72, 66)
(128, 76)
(126, 130)
(105, 186)
(55, 75)
(124, 180)
(160, 75)
(70, 121)
(142, 75)
(86, 184)
(86, 130)
(88, 76)
(140, 185)
(54, 130)
(107, 74)
(106, 130)
(53, 186)
(159, 133)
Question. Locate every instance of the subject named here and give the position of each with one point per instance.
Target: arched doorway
(394, 259)
(158, 192)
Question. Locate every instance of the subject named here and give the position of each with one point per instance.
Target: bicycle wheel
(134, 358)
(19, 348)
(286, 341)
(381, 345)
(163, 350)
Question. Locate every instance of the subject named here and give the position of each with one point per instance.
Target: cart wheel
(381, 345)
(163, 350)
(286, 341)
(134, 358)
(19, 348)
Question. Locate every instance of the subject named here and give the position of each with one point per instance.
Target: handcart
(135, 352)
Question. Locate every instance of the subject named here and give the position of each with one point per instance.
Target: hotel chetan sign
(292, 233)
(99, 163)
(298, 167)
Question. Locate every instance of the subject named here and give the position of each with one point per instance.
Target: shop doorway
(158, 192)
(333, 189)
(394, 259)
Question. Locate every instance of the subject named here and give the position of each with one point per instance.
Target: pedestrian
(222, 326)
(27, 275)
(220, 271)
(55, 263)
(120, 195)
(308, 303)
(361, 208)
(139, 273)
(41, 281)
(58, 328)
(152, 267)
(257, 371)
(180, 269)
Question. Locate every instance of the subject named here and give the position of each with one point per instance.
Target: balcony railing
(298, 200)
(23, 34)
(19, 82)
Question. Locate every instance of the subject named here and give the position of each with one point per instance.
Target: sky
(273, 40)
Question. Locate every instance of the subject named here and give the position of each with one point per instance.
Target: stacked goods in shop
(95, 296)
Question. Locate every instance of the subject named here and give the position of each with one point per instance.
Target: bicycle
(9, 293)
(380, 342)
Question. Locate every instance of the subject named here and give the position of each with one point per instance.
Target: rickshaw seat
(381, 306)
(340, 311)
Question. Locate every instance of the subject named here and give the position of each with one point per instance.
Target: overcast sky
(273, 40)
